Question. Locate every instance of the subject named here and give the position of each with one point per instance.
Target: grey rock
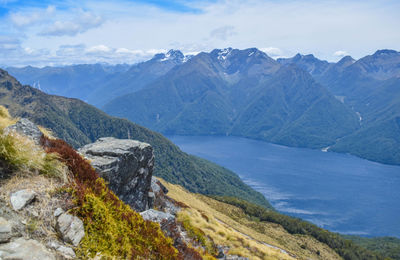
(65, 251)
(22, 198)
(151, 199)
(156, 216)
(26, 127)
(157, 186)
(5, 230)
(58, 212)
(71, 228)
(127, 165)
(23, 249)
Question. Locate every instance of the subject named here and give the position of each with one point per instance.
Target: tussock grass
(5, 118)
(205, 222)
(47, 132)
(18, 152)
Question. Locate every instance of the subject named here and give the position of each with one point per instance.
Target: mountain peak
(346, 60)
(224, 53)
(385, 52)
(173, 55)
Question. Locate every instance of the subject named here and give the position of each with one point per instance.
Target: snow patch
(224, 53)
(359, 116)
(325, 149)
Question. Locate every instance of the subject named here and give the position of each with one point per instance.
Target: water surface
(339, 192)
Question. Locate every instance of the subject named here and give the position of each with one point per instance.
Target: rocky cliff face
(127, 166)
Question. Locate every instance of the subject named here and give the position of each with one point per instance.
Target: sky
(54, 33)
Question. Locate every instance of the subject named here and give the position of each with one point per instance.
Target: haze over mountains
(349, 106)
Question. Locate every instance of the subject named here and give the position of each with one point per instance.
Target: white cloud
(98, 49)
(71, 50)
(272, 51)
(8, 43)
(340, 54)
(134, 30)
(127, 51)
(223, 33)
(24, 19)
(84, 22)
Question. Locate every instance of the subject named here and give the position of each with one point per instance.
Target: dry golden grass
(47, 132)
(5, 118)
(20, 152)
(228, 225)
(220, 228)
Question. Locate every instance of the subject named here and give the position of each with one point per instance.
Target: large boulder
(127, 165)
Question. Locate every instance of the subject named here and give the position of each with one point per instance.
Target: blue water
(339, 192)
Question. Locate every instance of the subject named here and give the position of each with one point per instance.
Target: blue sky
(41, 33)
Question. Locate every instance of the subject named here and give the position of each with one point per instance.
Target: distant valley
(352, 106)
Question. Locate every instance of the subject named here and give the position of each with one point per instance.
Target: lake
(338, 192)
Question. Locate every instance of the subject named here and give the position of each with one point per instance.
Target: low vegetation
(386, 246)
(345, 248)
(16, 151)
(112, 228)
(213, 221)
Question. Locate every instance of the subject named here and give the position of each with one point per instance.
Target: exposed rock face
(71, 228)
(26, 127)
(25, 249)
(156, 216)
(22, 198)
(128, 167)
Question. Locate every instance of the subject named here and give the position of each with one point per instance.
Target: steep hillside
(371, 86)
(379, 137)
(292, 109)
(53, 205)
(239, 92)
(257, 233)
(79, 123)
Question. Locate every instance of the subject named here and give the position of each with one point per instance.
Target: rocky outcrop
(71, 228)
(127, 166)
(26, 127)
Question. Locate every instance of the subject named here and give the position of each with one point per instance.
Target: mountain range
(350, 106)
(79, 123)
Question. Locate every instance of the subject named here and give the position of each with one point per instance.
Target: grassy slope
(345, 248)
(79, 123)
(229, 225)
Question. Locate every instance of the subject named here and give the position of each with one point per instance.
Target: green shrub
(112, 228)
